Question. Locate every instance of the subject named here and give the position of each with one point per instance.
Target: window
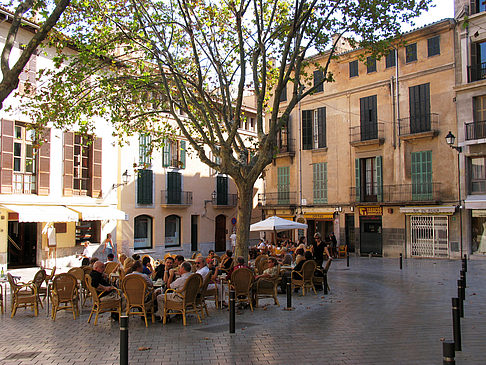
(390, 59)
(82, 163)
(314, 128)
(433, 46)
(477, 70)
(172, 231)
(477, 129)
(174, 154)
(368, 118)
(174, 188)
(419, 98)
(24, 161)
(145, 187)
(478, 175)
(370, 64)
(283, 95)
(369, 179)
(318, 77)
(252, 124)
(283, 185)
(421, 175)
(411, 53)
(353, 68)
(284, 140)
(221, 190)
(320, 182)
(478, 6)
(144, 152)
(142, 232)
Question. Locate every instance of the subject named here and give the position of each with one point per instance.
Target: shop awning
(98, 213)
(475, 202)
(442, 209)
(42, 213)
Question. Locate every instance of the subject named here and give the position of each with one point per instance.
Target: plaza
(375, 313)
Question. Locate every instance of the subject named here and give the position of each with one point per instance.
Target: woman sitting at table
(227, 261)
(264, 280)
(299, 255)
(137, 269)
(210, 256)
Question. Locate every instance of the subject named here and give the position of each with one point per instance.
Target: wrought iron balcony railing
(418, 124)
(176, 197)
(401, 193)
(475, 130)
(476, 72)
(225, 200)
(282, 198)
(368, 133)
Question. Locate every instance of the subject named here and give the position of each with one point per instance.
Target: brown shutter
(6, 166)
(68, 163)
(44, 163)
(96, 168)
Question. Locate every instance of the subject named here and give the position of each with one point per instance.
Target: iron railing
(176, 197)
(418, 124)
(228, 200)
(285, 145)
(278, 198)
(475, 130)
(476, 72)
(401, 193)
(359, 134)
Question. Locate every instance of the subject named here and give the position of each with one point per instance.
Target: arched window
(172, 231)
(142, 232)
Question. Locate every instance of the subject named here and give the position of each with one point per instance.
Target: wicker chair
(201, 297)
(241, 282)
(189, 297)
(267, 288)
(78, 273)
(86, 293)
(262, 265)
(39, 279)
(304, 278)
(257, 261)
(135, 289)
(23, 295)
(342, 251)
(50, 276)
(101, 306)
(64, 294)
(110, 267)
(319, 280)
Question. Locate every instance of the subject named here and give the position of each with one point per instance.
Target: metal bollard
(465, 262)
(456, 324)
(347, 259)
(401, 261)
(232, 311)
(325, 284)
(124, 340)
(460, 295)
(289, 294)
(448, 353)
(463, 278)
(464, 265)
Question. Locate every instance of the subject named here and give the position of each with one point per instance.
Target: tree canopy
(141, 63)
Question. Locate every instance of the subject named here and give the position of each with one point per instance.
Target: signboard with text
(372, 210)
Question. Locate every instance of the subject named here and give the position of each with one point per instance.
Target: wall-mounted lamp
(450, 139)
(125, 179)
(338, 209)
(214, 195)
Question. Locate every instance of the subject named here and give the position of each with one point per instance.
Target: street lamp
(125, 178)
(450, 139)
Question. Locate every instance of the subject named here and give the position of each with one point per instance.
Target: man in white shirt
(178, 284)
(201, 267)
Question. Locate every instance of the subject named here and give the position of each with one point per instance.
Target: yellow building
(365, 157)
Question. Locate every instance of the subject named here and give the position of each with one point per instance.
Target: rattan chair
(39, 279)
(23, 295)
(78, 273)
(86, 293)
(50, 276)
(342, 251)
(112, 305)
(189, 296)
(262, 265)
(110, 267)
(304, 278)
(64, 294)
(267, 288)
(201, 298)
(135, 289)
(241, 282)
(257, 262)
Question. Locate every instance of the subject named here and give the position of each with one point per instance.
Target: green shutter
(358, 179)
(145, 187)
(379, 178)
(183, 155)
(421, 175)
(283, 185)
(166, 153)
(320, 182)
(222, 190)
(174, 191)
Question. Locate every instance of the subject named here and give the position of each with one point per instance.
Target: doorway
(370, 235)
(22, 244)
(220, 234)
(194, 219)
(324, 227)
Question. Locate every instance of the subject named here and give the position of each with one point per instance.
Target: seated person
(158, 272)
(201, 267)
(127, 264)
(136, 256)
(210, 256)
(299, 255)
(307, 256)
(147, 266)
(137, 269)
(85, 261)
(99, 281)
(122, 258)
(240, 262)
(92, 261)
(263, 280)
(184, 272)
(110, 258)
(227, 261)
(287, 257)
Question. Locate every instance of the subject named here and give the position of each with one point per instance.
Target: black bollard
(347, 258)
(123, 340)
(448, 353)
(401, 261)
(325, 284)
(232, 311)
(464, 265)
(456, 324)
(463, 278)
(465, 262)
(460, 295)
(289, 294)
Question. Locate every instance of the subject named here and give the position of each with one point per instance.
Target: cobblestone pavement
(375, 314)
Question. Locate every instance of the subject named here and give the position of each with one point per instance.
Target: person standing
(318, 249)
(333, 239)
(109, 247)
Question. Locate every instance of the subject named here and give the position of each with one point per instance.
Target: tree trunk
(245, 206)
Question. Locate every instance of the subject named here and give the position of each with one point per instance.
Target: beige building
(365, 157)
(471, 118)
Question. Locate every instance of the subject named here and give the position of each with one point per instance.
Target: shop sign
(374, 210)
(478, 213)
(319, 215)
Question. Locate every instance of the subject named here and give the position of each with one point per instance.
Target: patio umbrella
(276, 224)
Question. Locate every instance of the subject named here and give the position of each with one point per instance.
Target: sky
(443, 9)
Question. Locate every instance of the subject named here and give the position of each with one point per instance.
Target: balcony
(475, 130)
(225, 200)
(426, 125)
(24, 183)
(402, 194)
(476, 72)
(286, 146)
(360, 136)
(278, 199)
(175, 198)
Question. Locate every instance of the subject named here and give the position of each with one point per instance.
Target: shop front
(370, 230)
(475, 222)
(323, 223)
